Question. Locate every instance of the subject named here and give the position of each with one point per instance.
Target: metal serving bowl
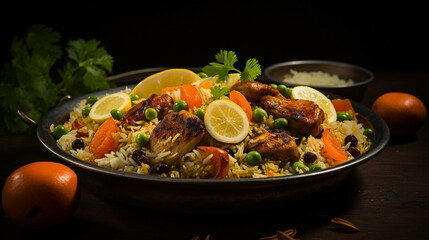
(200, 195)
(362, 77)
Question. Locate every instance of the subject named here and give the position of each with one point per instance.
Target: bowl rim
(270, 68)
(53, 116)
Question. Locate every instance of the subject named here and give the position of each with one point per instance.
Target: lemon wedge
(308, 93)
(168, 78)
(100, 111)
(226, 122)
(233, 78)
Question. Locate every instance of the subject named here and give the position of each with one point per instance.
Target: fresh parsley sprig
(27, 80)
(225, 63)
(218, 92)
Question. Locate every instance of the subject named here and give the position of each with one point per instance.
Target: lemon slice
(233, 78)
(226, 122)
(308, 93)
(100, 111)
(168, 78)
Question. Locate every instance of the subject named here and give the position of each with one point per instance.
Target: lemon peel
(167, 78)
(309, 93)
(100, 111)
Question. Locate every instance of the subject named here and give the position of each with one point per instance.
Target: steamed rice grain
(316, 78)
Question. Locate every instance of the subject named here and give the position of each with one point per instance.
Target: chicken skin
(275, 144)
(304, 116)
(178, 132)
(162, 104)
(253, 91)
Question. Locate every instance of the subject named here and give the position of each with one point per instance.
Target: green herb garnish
(218, 92)
(31, 78)
(86, 68)
(225, 63)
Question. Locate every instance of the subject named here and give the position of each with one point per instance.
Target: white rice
(317, 78)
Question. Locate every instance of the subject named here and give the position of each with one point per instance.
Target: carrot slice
(104, 140)
(169, 89)
(241, 101)
(343, 105)
(220, 160)
(76, 125)
(206, 84)
(191, 95)
(333, 146)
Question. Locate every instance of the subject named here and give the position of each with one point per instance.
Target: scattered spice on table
(344, 225)
(208, 237)
(282, 235)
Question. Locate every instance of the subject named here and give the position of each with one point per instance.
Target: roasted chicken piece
(304, 116)
(161, 103)
(178, 132)
(253, 91)
(275, 144)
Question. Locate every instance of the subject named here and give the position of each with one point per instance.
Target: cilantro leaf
(86, 69)
(225, 63)
(228, 58)
(218, 92)
(26, 81)
(251, 71)
(214, 69)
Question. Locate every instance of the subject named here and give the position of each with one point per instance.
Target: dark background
(378, 36)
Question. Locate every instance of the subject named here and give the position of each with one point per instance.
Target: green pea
(344, 116)
(85, 111)
(150, 114)
(134, 97)
(273, 85)
(202, 74)
(315, 167)
(369, 134)
(180, 105)
(116, 114)
(59, 131)
(199, 112)
(299, 166)
(280, 123)
(91, 100)
(285, 91)
(259, 114)
(142, 139)
(253, 158)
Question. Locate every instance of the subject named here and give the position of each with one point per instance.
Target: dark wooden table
(387, 197)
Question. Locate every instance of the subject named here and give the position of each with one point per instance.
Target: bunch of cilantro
(28, 80)
(225, 61)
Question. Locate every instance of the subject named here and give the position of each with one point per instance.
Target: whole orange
(403, 113)
(40, 194)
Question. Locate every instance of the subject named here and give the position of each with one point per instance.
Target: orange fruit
(40, 194)
(403, 113)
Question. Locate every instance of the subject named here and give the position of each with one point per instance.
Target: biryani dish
(214, 130)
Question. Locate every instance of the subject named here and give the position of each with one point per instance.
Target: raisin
(78, 144)
(161, 168)
(353, 151)
(310, 157)
(140, 157)
(352, 140)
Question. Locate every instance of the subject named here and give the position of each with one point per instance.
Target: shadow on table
(121, 221)
(399, 140)
(305, 215)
